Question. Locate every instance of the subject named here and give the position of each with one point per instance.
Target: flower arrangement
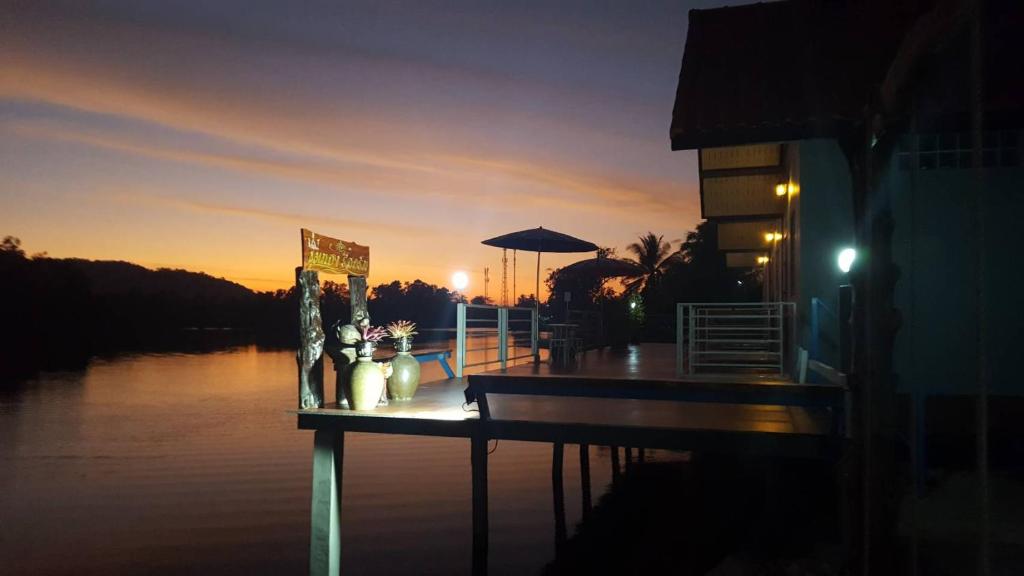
(369, 336)
(372, 333)
(402, 329)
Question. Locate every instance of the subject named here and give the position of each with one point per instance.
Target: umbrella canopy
(604, 268)
(540, 240)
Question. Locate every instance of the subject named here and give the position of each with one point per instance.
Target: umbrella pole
(536, 288)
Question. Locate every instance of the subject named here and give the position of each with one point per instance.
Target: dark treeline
(694, 272)
(57, 313)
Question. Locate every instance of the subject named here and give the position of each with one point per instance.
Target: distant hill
(116, 277)
(59, 312)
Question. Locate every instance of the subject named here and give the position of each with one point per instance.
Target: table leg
(478, 459)
(325, 530)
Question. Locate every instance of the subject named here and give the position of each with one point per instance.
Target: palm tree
(654, 256)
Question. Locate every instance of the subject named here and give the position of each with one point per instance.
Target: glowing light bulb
(781, 189)
(460, 280)
(846, 258)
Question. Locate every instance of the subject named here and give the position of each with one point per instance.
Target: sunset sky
(204, 135)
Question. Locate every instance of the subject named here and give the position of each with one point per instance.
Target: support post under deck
(478, 459)
(558, 488)
(325, 531)
(585, 479)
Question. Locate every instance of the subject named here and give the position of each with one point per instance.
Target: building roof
(783, 70)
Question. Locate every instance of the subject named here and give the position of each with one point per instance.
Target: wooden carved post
(357, 297)
(311, 341)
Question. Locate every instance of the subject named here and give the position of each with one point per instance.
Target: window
(952, 150)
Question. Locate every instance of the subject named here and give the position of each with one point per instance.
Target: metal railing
(476, 323)
(752, 337)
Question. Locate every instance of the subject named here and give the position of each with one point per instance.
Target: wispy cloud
(273, 216)
(453, 177)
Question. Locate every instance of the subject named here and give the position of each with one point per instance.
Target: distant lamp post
(460, 281)
(846, 259)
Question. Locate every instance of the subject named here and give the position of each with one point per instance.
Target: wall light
(781, 189)
(762, 259)
(846, 258)
(772, 236)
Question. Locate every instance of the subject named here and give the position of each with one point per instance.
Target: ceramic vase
(405, 375)
(366, 383)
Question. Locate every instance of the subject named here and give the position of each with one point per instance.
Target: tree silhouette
(654, 256)
(11, 247)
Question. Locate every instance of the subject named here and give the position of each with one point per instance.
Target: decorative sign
(333, 256)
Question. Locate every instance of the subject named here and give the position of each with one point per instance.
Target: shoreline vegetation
(60, 312)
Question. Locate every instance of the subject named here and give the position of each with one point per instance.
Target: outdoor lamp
(846, 258)
(781, 189)
(762, 259)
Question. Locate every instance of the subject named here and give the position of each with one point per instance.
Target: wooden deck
(630, 398)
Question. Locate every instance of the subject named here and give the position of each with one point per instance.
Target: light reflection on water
(191, 464)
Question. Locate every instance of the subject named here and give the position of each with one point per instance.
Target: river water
(191, 464)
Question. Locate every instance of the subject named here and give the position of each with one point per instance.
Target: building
(895, 128)
(777, 117)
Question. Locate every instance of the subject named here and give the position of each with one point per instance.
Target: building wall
(936, 247)
(825, 223)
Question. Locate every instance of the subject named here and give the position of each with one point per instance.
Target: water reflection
(191, 464)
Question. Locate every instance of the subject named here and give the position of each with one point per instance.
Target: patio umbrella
(602, 267)
(540, 240)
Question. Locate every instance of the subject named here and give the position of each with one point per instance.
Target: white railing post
(691, 313)
(535, 335)
(460, 338)
(680, 339)
(503, 337)
(782, 350)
